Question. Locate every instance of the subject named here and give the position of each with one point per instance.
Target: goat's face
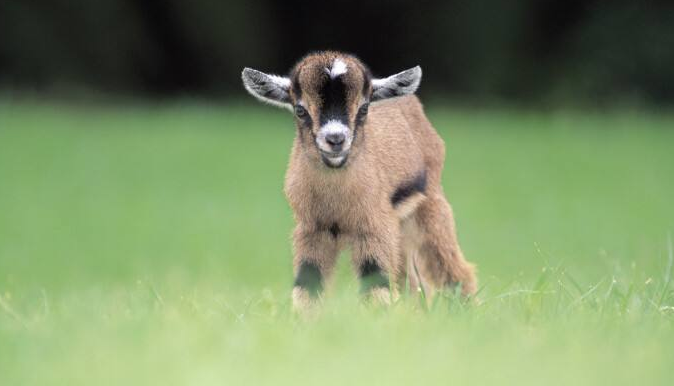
(329, 93)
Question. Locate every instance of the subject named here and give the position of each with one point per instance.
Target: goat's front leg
(377, 260)
(315, 255)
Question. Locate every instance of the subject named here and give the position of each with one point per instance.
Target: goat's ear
(271, 89)
(402, 83)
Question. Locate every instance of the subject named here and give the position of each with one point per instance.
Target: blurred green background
(149, 244)
(145, 238)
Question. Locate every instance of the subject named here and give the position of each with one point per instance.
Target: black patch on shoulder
(334, 230)
(406, 189)
(333, 97)
(371, 276)
(309, 278)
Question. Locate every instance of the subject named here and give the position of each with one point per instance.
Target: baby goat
(364, 176)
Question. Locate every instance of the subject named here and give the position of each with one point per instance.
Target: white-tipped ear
(271, 89)
(402, 83)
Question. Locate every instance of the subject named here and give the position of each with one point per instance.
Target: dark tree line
(524, 50)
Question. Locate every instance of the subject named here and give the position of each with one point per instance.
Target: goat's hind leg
(440, 258)
(410, 239)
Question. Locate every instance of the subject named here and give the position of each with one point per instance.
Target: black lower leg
(309, 278)
(371, 276)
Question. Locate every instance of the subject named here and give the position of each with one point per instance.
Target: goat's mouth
(334, 160)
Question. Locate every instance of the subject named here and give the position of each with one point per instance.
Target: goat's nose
(335, 140)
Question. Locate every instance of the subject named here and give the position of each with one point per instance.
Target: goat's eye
(362, 111)
(300, 111)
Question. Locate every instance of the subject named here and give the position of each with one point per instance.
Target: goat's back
(400, 139)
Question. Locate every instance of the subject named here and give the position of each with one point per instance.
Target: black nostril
(335, 139)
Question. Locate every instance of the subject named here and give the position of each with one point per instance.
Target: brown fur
(351, 206)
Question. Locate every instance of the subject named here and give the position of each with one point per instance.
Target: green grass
(150, 245)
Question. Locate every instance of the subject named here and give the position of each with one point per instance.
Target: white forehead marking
(338, 68)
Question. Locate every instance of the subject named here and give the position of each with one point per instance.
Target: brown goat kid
(368, 178)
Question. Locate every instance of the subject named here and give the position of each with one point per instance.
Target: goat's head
(329, 93)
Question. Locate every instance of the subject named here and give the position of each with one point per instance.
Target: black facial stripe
(333, 97)
(309, 278)
(406, 189)
(372, 275)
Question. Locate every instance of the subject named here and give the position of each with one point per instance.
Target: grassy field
(150, 245)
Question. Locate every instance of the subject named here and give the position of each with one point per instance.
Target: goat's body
(369, 180)
(387, 205)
